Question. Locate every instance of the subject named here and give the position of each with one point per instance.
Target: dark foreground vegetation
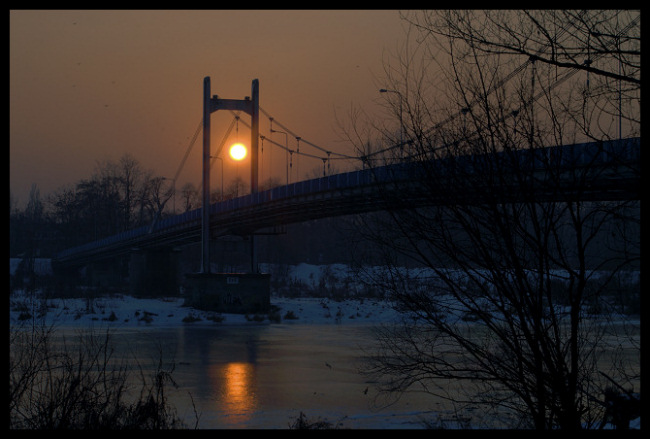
(79, 384)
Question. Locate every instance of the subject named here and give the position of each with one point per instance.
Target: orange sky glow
(88, 86)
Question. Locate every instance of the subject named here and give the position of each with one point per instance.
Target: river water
(264, 376)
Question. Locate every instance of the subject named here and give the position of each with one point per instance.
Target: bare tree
(603, 45)
(520, 256)
(133, 185)
(236, 188)
(190, 197)
(156, 197)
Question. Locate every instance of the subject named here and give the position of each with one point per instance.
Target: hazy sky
(87, 86)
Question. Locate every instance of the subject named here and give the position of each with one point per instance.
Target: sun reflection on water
(238, 397)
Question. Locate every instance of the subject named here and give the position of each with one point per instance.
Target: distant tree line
(119, 195)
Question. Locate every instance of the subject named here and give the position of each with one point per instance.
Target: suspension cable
(189, 149)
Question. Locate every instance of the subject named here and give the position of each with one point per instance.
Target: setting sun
(238, 151)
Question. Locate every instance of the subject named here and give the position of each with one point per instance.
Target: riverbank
(123, 311)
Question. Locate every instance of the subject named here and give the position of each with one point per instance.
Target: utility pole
(210, 105)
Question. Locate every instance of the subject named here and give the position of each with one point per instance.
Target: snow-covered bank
(118, 310)
(126, 312)
(301, 294)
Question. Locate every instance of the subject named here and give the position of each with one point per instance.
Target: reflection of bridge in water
(605, 171)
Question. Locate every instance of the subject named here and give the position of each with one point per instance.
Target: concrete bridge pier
(238, 293)
(154, 272)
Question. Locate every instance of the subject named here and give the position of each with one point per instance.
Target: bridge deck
(612, 173)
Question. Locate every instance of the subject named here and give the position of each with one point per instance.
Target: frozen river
(264, 376)
(241, 374)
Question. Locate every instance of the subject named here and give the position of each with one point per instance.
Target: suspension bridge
(614, 174)
(606, 171)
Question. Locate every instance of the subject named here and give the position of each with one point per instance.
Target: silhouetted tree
(506, 315)
(156, 196)
(190, 197)
(66, 214)
(236, 188)
(133, 185)
(116, 197)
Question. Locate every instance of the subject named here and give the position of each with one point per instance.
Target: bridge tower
(251, 106)
(228, 292)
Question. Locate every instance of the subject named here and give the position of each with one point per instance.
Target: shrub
(24, 315)
(80, 388)
(217, 318)
(302, 423)
(190, 318)
(112, 317)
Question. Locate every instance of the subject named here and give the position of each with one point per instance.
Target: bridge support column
(237, 293)
(104, 274)
(154, 272)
